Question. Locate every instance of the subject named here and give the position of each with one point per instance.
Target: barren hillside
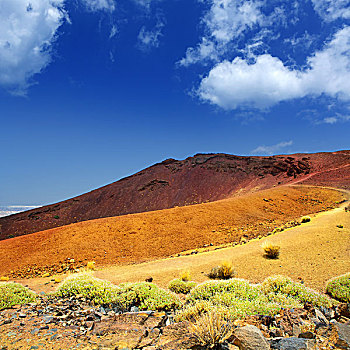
(198, 179)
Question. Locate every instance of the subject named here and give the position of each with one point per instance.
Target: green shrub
(147, 296)
(339, 288)
(14, 293)
(94, 289)
(238, 298)
(193, 311)
(281, 284)
(238, 287)
(223, 271)
(181, 287)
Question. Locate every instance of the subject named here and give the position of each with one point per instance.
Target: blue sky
(95, 90)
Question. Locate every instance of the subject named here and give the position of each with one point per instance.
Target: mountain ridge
(204, 177)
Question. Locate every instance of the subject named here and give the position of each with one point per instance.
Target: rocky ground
(73, 323)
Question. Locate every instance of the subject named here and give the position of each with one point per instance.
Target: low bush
(193, 311)
(339, 288)
(305, 219)
(238, 287)
(94, 289)
(284, 285)
(238, 298)
(179, 286)
(90, 265)
(147, 296)
(223, 271)
(14, 293)
(271, 251)
(185, 276)
(212, 329)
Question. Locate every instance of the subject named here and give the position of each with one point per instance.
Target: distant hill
(171, 183)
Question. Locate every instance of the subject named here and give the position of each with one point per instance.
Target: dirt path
(318, 173)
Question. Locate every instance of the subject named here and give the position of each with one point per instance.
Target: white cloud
(225, 21)
(27, 31)
(99, 5)
(145, 4)
(330, 120)
(113, 32)
(205, 50)
(268, 81)
(331, 10)
(148, 39)
(13, 209)
(336, 119)
(228, 19)
(269, 150)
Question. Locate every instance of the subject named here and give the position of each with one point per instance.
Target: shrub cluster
(14, 293)
(146, 296)
(237, 298)
(339, 288)
(305, 219)
(284, 285)
(94, 289)
(271, 251)
(179, 286)
(223, 271)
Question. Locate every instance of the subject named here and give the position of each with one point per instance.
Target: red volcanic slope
(202, 178)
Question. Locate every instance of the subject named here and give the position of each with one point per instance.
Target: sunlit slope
(197, 179)
(152, 235)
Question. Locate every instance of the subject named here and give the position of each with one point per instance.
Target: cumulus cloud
(268, 81)
(225, 21)
(331, 10)
(99, 5)
(27, 31)
(269, 150)
(148, 39)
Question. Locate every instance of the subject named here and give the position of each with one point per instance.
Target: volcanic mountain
(172, 183)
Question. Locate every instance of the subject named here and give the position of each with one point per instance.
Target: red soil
(147, 236)
(198, 179)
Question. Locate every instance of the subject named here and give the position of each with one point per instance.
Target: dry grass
(223, 271)
(185, 275)
(212, 329)
(271, 251)
(90, 265)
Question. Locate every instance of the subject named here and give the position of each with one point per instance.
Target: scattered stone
(342, 335)
(292, 343)
(250, 338)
